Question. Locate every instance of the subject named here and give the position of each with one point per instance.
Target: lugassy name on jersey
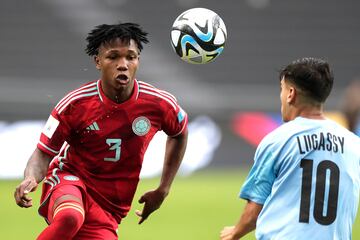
(320, 141)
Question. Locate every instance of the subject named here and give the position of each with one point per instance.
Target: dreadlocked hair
(106, 33)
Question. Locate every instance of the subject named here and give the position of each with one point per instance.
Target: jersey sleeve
(259, 182)
(175, 121)
(54, 134)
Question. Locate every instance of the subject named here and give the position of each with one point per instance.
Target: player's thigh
(98, 224)
(69, 194)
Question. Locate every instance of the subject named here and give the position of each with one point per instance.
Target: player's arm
(246, 224)
(256, 189)
(174, 152)
(34, 173)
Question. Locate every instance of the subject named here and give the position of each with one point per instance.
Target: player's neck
(121, 96)
(117, 95)
(310, 112)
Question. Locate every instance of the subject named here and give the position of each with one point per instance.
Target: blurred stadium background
(232, 102)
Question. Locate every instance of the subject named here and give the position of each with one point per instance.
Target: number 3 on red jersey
(115, 144)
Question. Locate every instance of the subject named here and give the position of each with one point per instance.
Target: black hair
(311, 75)
(106, 33)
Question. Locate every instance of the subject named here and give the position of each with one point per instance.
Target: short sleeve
(175, 121)
(260, 180)
(54, 134)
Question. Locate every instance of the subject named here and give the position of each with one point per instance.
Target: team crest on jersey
(141, 126)
(71, 178)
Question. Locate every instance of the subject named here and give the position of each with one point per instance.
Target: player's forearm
(174, 153)
(247, 222)
(37, 165)
(243, 228)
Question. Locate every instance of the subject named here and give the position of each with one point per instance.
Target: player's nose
(122, 64)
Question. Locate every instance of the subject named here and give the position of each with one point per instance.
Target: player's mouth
(122, 78)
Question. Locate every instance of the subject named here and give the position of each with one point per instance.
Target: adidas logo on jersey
(93, 126)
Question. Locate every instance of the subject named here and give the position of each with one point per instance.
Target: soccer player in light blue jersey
(305, 180)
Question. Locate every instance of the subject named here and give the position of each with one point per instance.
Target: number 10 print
(324, 168)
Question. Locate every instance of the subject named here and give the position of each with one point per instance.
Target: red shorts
(98, 224)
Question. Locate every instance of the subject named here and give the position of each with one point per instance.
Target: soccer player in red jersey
(91, 149)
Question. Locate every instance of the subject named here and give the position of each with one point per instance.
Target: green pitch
(197, 208)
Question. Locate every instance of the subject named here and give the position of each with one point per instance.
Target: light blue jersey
(306, 175)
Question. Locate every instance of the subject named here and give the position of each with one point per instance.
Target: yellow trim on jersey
(66, 205)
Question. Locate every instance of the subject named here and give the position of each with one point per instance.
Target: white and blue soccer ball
(198, 35)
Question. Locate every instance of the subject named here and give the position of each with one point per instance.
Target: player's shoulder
(282, 134)
(148, 91)
(283, 131)
(340, 130)
(349, 135)
(79, 95)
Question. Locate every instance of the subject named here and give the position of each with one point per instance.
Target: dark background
(42, 55)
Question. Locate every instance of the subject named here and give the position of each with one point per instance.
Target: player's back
(316, 189)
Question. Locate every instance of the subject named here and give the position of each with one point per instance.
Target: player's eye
(131, 57)
(112, 56)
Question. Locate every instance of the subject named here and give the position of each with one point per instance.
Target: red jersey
(105, 142)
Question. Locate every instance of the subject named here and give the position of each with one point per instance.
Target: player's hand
(22, 190)
(152, 201)
(228, 233)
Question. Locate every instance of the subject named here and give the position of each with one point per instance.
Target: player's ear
(97, 62)
(291, 97)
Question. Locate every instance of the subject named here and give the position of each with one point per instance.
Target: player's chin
(285, 119)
